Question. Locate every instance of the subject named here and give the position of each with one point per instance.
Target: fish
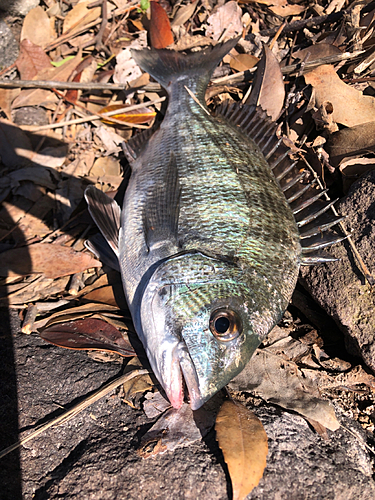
(216, 220)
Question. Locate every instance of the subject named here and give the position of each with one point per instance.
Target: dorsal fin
(301, 192)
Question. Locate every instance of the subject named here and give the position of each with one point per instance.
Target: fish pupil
(222, 324)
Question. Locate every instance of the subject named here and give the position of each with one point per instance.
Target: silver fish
(207, 243)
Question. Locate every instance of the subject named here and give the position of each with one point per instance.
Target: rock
(96, 454)
(339, 287)
(9, 49)
(18, 7)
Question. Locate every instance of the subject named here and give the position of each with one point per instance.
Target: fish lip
(190, 375)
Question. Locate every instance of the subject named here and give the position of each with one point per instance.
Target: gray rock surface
(95, 455)
(339, 287)
(8, 46)
(18, 7)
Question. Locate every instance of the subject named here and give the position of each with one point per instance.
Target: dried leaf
(349, 106)
(92, 334)
(243, 441)
(136, 385)
(32, 60)
(80, 16)
(111, 294)
(178, 428)
(139, 116)
(43, 258)
(243, 62)
(351, 141)
(106, 165)
(36, 27)
(268, 88)
(74, 313)
(7, 96)
(184, 13)
(127, 70)
(160, 28)
(226, 19)
(355, 167)
(281, 7)
(281, 382)
(39, 97)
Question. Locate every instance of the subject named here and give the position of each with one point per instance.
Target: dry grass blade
(68, 415)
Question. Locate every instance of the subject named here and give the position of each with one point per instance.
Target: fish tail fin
(166, 66)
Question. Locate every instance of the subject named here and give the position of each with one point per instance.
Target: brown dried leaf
(39, 97)
(142, 115)
(243, 441)
(92, 334)
(106, 165)
(160, 28)
(111, 294)
(37, 27)
(7, 96)
(350, 107)
(282, 8)
(243, 62)
(281, 382)
(74, 313)
(184, 13)
(226, 18)
(32, 60)
(53, 261)
(136, 385)
(80, 16)
(351, 141)
(268, 88)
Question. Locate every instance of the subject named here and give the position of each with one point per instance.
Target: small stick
(35, 128)
(76, 284)
(196, 100)
(68, 415)
(31, 314)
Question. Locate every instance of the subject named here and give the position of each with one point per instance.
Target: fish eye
(225, 324)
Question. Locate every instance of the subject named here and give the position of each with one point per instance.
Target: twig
(99, 37)
(36, 128)
(68, 415)
(191, 94)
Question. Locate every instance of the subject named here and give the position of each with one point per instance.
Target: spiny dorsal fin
(106, 214)
(301, 193)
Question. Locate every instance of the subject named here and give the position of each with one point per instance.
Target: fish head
(197, 325)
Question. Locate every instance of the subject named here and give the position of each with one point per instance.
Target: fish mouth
(183, 378)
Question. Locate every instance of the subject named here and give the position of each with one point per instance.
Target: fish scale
(208, 246)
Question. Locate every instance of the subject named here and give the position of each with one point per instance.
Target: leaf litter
(44, 221)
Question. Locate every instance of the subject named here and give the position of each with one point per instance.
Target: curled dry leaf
(243, 441)
(349, 106)
(268, 89)
(137, 385)
(127, 70)
(53, 261)
(92, 334)
(243, 62)
(160, 28)
(184, 13)
(225, 20)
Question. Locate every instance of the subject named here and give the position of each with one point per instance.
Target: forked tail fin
(166, 66)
